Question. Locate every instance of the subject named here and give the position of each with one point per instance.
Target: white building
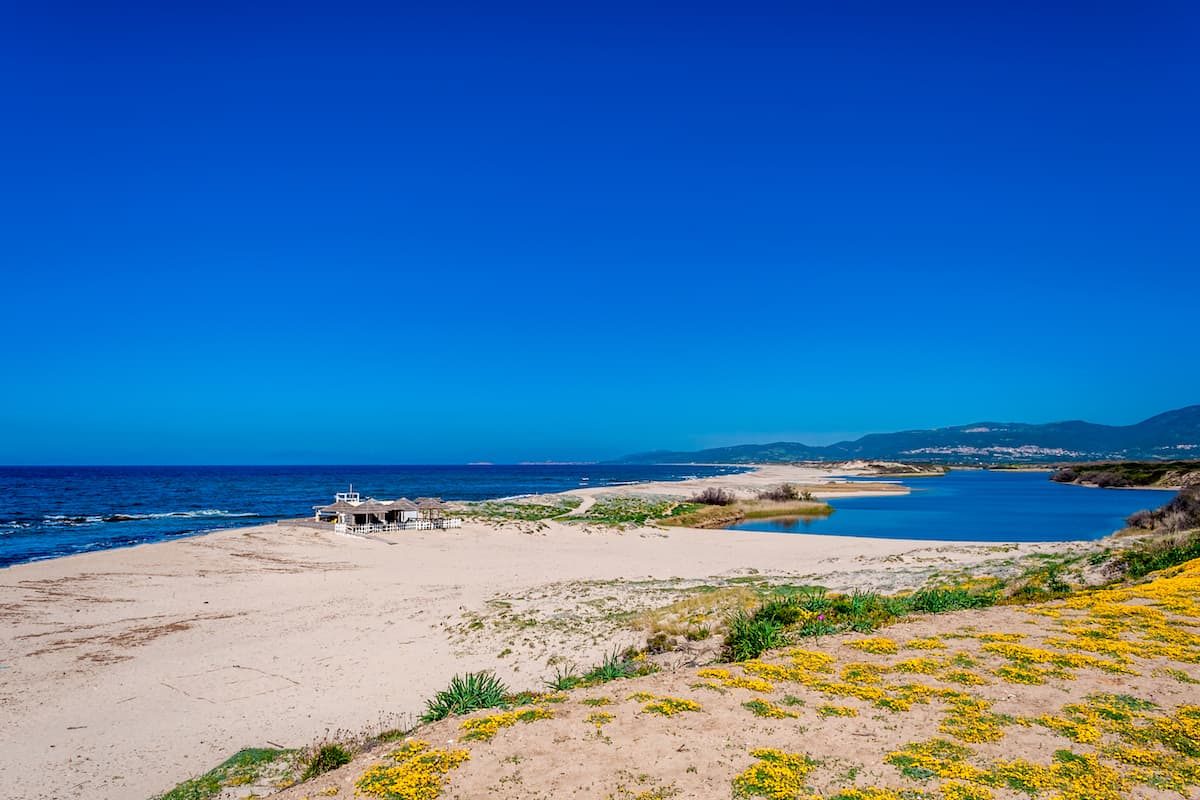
(349, 513)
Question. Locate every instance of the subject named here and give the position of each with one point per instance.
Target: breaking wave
(68, 520)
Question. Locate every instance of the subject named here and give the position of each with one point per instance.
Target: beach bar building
(350, 513)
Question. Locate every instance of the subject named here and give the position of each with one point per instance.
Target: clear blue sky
(294, 233)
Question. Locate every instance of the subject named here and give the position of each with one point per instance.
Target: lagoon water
(55, 511)
(979, 505)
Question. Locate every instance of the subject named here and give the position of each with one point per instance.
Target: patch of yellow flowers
(670, 706)
(484, 728)
(767, 709)
(730, 681)
(418, 772)
(776, 775)
(879, 645)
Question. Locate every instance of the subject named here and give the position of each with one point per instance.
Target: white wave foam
(94, 519)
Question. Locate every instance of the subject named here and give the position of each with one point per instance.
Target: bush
(1153, 556)
(935, 601)
(1108, 480)
(783, 492)
(713, 496)
(1181, 513)
(784, 610)
(614, 666)
(1065, 475)
(466, 693)
(786, 492)
(327, 759)
(749, 637)
(660, 642)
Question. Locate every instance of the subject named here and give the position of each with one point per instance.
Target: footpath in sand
(1090, 698)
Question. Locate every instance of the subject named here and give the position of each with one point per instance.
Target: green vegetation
(243, 768)
(328, 758)
(786, 492)
(543, 508)
(714, 516)
(939, 600)
(1129, 473)
(616, 665)
(797, 508)
(749, 636)
(801, 612)
(1151, 556)
(619, 511)
(715, 496)
(1181, 513)
(466, 693)
(814, 612)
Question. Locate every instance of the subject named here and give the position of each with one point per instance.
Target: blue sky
(348, 233)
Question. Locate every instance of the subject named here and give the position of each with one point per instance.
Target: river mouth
(976, 506)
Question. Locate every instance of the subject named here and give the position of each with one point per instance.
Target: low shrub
(466, 693)
(617, 664)
(937, 600)
(328, 758)
(784, 610)
(784, 492)
(1153, 556)
(660, 643)
(749, 637)
(714, 496)
(240, 769)
(1065, 475)
(1182, 512)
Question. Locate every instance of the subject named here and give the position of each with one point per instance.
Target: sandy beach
(125, 671)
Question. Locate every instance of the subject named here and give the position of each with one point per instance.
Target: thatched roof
(425, 503)
(341, 506)
(371, 506)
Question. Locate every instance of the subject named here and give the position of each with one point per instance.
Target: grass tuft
(466, 693)
(326, 759)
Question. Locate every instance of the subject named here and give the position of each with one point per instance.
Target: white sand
(123, 672)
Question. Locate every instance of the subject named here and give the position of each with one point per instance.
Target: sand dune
(128, 670)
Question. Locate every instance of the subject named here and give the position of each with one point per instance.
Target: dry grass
(721, 516)
(703, 610)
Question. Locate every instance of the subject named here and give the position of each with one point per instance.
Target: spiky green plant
(466, 693)
(749, 637)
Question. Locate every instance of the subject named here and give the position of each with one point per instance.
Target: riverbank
(128, 670)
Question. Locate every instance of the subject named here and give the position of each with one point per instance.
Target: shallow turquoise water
(976, 505)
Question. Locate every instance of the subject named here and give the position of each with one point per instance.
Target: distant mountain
(1174, 434)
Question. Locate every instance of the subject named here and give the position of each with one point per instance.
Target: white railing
(414, 525)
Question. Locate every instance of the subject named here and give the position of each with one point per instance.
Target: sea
(981, 506)
(46, 512)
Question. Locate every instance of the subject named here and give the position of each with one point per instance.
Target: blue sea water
(54, 511)
(977, 505)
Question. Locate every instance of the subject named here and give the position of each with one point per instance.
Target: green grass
(615, 666)
(1126, 473)
(812, 611)
(939, 600)
(328, 758)
(241, 768)
(749, 636)
(466, 693)
(516, 511)
(619, 511)
(1142, 559)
